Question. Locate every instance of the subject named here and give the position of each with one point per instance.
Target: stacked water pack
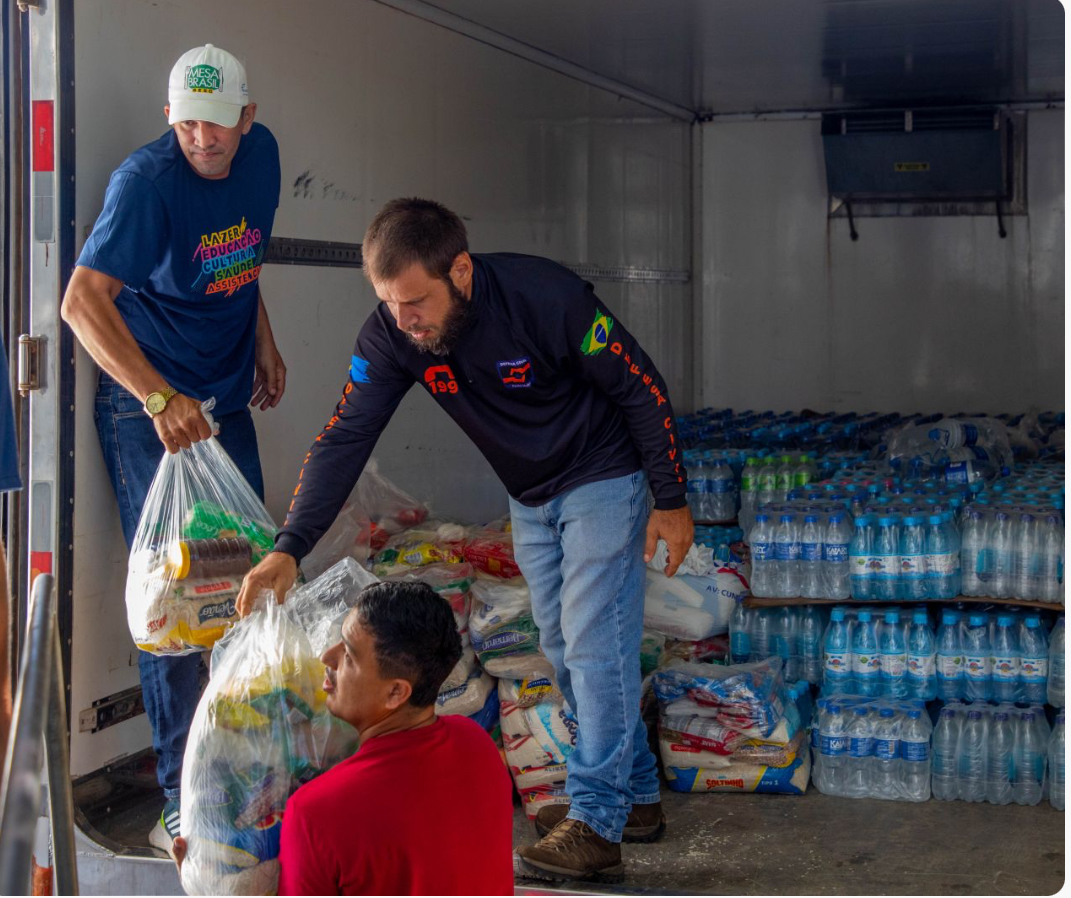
(871, 749)
(914, 556)
(890, 653)
(995, 753)
(792, 633)
(731, 729)
(1002, 656)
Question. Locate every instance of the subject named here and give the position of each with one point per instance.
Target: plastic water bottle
(786, 474)
(887, 552)
(1029, 766)
(885, 782)
(946, 756)
(1000, 758)
(786, 643)
(913, 583)
(749, 492)
(837, 655)
(835, 566)
(762, 643)
(893, 658)
(1051, 553)
(1027, 558)
(866, 660)
(915, 751)
(810, 636)
(811, 558)
(1033, 661)
(787, 553)
(1055, 689)
(955, 585)
(767, 482)
(940, 565)
(921, 659)
(973, 555)
(763, 577)
(976, 659)
(833, 746)
(721, 488)
(696, 488)
(1057, 764)
(862, 575)
(949, 658)
(1005, 660)
(1000, 547)
(972, 757)
(740, 634)
(860, 753)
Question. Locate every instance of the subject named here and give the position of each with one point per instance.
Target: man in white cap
(165, 298)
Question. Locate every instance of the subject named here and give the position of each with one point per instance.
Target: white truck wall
(920, 314)
(368, 104)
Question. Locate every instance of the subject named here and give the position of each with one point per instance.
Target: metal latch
(111, 709)
(31, 349)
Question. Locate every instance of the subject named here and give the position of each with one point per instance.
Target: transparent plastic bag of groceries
(200, 532)
(261, 730)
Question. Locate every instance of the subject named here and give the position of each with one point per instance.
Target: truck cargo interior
(823, 206)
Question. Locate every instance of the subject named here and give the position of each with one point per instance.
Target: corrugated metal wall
(929, 314)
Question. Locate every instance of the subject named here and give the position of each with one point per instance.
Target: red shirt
(419, 812)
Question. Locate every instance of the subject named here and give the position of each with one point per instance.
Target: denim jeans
(582, 555)
(170, 685)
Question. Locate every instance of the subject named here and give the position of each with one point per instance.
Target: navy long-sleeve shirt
(549, 386)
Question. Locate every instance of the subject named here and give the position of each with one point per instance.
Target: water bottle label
(887, 567)
(810, 552)
(860, 746)
(957, 473)
(835, 553)
(1035, 670)
(986, 563)
(832, 745)
(1005, 667)
(748, 483)
(787, 551)
(920, 666)
(915, 751)
(893, 665)
(761, 551)
(913, 567)
(719, 486)
(865, 664)
(976, 667)
(887, 749)
(838, 663)
(942, 565)
(950, 667)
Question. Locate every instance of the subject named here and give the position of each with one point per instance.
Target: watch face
(155, 403)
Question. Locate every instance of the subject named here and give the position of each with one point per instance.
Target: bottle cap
(977, 620)
(787, 518)
(1004, 620)
(762, 519)
(913, 713)
(892, 617)
(936, 520)
(837, 614)
(861, 710)
(178, 560)
(863, 617)
(887, 712)
(810, 519)
(1032, 623)
(949, 617)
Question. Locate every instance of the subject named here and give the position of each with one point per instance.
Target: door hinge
(31, 349)
(111, 709)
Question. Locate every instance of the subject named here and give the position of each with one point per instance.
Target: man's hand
(276, 572)
(676, 528)
(270, 380)
(181, 423)
(179, 848)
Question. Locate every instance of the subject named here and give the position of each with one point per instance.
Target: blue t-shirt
(9, 449)
(188, 251)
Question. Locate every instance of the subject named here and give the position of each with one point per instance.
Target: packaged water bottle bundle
(871, 749)
(792, 633)
(995, 753)
(731, 729)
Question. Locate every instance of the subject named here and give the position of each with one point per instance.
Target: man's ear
(400, 691)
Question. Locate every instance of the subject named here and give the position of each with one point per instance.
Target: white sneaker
(163, 835)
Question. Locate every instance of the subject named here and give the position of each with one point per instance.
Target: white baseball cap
(207, 84)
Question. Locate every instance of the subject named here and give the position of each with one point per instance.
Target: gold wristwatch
(157, 402)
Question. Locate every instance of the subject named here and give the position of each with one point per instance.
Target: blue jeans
(170, 686)
(582, 555)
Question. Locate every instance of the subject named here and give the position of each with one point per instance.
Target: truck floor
(814, 844)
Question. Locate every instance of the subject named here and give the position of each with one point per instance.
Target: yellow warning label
(911, 166)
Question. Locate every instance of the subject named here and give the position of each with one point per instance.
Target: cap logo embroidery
(204, 79)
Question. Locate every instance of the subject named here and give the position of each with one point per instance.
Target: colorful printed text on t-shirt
(229, 259)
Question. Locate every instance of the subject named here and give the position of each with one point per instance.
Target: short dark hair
(409, 230)
(414, 633)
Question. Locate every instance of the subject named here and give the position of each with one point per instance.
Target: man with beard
(574, 418)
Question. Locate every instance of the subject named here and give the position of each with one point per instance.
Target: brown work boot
(645, 822)
(573, 851)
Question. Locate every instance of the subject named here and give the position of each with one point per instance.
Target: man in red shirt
(425, 805)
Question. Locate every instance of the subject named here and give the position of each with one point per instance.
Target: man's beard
(457, 317)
